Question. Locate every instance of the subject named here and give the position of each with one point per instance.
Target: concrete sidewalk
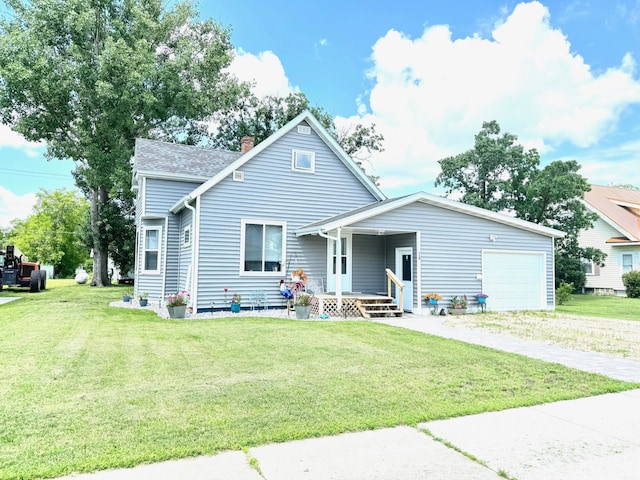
(595, 437)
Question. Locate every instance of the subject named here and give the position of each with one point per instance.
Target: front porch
(355, 304)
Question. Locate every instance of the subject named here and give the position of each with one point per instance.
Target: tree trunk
(100, 241)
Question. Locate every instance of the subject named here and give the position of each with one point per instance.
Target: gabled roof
(153, 158)
(239, 162)
(377, 208)
(619, 207)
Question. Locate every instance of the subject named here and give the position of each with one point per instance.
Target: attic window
(303, 161)
(304, 130)
(238, 176)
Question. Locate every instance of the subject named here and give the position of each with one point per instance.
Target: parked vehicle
(14, 272)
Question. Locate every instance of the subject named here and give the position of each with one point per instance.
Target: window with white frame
(627, 262)
(263, 246)
(186, 236)
(302, 161)
(587, 266)
(151, 248)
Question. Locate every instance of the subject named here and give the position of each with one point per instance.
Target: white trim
(145, 229)
(377, 209)
(320, 131)
(163, 291)
(400, 251)
(264, 222)
(304, 130)
(608, 221)
(294, 161)
(195, 252)
(418, 273)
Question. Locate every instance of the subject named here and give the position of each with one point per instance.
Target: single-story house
(217, 222)
(616, 232)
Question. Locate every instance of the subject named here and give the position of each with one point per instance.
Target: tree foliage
(500, 175)
(492, 174)
(53, 234)
(89, 76)
(262, 117)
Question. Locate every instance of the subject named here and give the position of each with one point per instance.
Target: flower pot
(303, 312)
(126, 298)
(143, 302)
(178, 311)
(235, 308)
(457, 311)
(433, 301)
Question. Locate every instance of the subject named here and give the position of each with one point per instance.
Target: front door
(343, 263)
(404, 271)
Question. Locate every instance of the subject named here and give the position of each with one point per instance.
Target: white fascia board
(171, 176)
(436, 201)
(607, 220)
(340, 153)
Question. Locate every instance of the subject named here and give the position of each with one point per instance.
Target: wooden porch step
(383, 307)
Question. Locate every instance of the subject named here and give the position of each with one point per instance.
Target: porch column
(339, 268)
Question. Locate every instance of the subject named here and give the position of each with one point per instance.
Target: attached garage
(514, 280)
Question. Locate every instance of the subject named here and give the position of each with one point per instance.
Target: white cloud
(264, 70)
(15, 207)
(432, 93)
(9, 138)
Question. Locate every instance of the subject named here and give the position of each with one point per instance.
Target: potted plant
(302, 304)
(432, 298)
(236, 298)
(458, 305)
(126, 297)
(177, 304)
(142, 298)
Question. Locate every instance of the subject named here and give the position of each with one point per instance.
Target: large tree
(499, 174)
(261, 117)
(53, 234)
(89, 76)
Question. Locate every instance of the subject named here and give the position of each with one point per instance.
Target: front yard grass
(606, 306)
(85, 386)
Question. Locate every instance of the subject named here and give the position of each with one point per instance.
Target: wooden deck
(355, 305)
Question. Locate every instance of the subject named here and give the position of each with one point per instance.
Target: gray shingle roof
(176, 159)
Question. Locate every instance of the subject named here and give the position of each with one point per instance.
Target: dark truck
(16, 273)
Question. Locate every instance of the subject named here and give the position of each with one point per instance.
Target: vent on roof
(238, 176)
(304, 130)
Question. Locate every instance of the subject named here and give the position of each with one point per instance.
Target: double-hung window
(151, 249)
(263, 246)
(627, 262)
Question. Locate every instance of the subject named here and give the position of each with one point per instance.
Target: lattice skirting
(330, 307)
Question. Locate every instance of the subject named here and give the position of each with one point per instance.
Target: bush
(631, 281)
(563, 292)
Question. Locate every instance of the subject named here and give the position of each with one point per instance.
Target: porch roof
(350, 218)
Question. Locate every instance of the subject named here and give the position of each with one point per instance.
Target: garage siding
(451, 246)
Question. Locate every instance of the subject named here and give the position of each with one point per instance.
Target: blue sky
(561, 75)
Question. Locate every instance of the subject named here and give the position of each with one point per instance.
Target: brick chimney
(246, 144)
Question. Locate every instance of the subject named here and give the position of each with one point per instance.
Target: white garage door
(514, 280)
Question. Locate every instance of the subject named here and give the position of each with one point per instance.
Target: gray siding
(369, 264)
(272, 191)
(452, 244)
(158, 196)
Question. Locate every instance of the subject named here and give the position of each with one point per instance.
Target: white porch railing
(391, 277)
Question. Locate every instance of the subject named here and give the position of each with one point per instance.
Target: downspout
(194, 294)
(166, 252)
(338, 264)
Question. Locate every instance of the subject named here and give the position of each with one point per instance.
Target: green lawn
(84, 386)
(602, 306)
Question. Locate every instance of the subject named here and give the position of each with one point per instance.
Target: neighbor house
(616, 232)
(218, 222)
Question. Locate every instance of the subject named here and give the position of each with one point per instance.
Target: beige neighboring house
(616, 233)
